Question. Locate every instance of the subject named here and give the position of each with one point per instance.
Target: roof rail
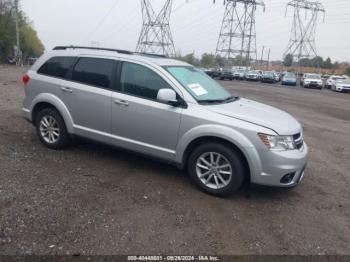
(93, 48)
(149, 54)
(108, 49)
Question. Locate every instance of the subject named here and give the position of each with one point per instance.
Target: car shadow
(157, 167)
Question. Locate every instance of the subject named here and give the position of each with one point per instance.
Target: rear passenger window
(93, 71)
(141, 81)
(57, 67)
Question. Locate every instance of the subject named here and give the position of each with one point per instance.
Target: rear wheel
(216, 169)
(51, 129)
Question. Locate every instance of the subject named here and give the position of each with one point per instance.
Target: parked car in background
(253, 75)
(342, 85)
(165, 109)
(289, 79)
(312, 81)
(240, 74)
(213, 72)
(226, 73)
(325, 77)
(330, 82)
(32, 60)
(278, 76)
(268, 77)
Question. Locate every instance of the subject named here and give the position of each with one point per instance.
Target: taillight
(25, 79)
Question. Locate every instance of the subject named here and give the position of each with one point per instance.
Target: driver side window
(140, 81)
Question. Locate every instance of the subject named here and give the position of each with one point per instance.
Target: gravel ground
(92, 199)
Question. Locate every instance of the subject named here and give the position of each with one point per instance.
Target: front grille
(298, 141)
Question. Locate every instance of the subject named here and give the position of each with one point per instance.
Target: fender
(59, 105)
(226, 133)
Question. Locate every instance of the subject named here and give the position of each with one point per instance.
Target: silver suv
(166, 109)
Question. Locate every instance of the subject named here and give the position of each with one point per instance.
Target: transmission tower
(302, 42)
(238, 34)
(155, 37)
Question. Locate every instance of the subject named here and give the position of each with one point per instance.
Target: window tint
(140, 81)
(57, 67)
(93, 71)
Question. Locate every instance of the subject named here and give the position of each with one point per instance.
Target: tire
(59, 138)
(216, 176)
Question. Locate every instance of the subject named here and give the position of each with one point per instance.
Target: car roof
(115, 53)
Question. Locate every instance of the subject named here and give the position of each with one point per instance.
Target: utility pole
(155, 36)
(18, 53)
(238, 33)
(302, 42)
(268, 60)
(262, 55)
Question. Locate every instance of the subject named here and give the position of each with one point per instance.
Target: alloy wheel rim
(214, 170)
(49, 129)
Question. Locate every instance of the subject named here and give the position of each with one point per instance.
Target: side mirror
(168, 96)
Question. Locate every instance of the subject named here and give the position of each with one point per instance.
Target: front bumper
(312, 85)
(342, 89)
(275, 166)
(268, 80)
(253, 78)
(238, 76)
(289, 83)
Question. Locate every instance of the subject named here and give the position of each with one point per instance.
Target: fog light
(287, 178)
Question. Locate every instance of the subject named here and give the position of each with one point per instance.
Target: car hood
(260, 114)
(347, 84)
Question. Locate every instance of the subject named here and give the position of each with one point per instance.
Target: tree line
(31, 46)
(212, 61)
(317, 62)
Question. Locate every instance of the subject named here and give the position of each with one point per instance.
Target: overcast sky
(195, 25)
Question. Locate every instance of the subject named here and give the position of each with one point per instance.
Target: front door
(139, 121)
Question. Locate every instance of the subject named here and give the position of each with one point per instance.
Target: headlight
(278, 143)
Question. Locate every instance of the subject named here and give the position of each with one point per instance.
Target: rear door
(87, 94)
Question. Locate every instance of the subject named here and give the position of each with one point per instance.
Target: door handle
(121, 102)
(67, 90)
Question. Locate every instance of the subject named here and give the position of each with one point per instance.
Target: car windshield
(290, 75)
(313, 76)
(240, 71)
(343, 80)
(338, 78)
(268, 74)
(203, 88)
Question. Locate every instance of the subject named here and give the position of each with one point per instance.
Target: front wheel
(216, 169)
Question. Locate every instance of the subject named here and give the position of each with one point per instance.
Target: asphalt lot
(92, 199)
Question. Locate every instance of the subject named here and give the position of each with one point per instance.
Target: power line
(109, 12)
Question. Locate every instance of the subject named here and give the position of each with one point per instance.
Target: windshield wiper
(219, 101)
(231, 99)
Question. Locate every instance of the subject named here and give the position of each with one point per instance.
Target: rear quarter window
(57, 67)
